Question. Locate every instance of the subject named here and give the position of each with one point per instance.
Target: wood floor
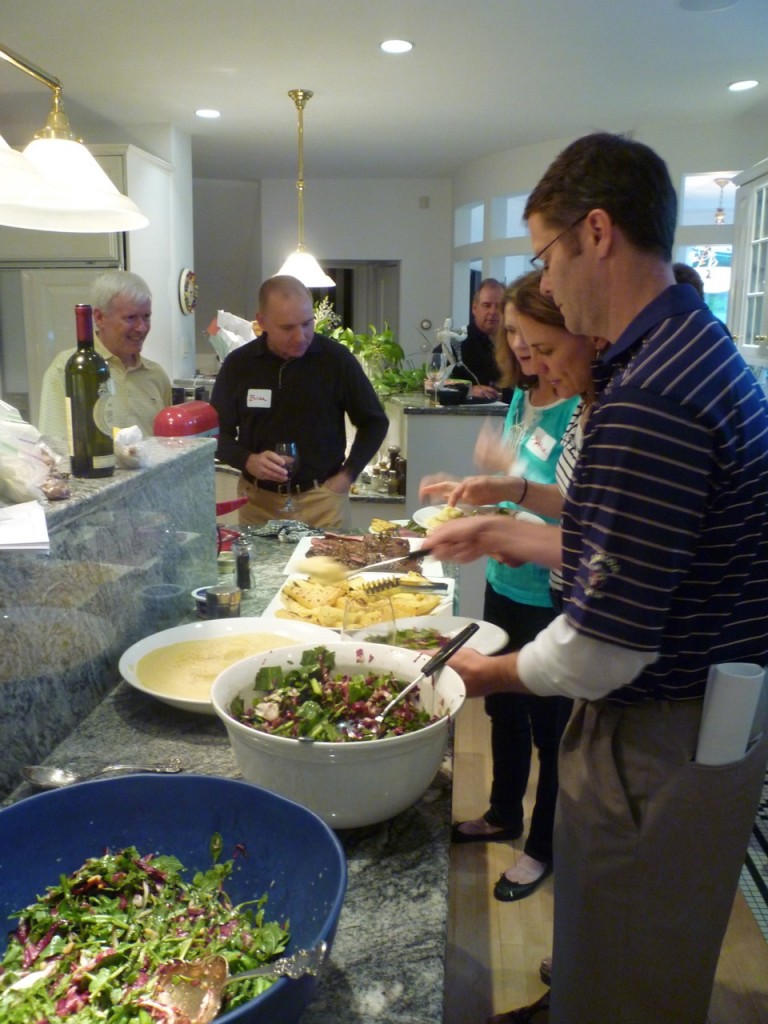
(494, 948)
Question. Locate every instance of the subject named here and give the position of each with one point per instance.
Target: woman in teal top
(518, 599)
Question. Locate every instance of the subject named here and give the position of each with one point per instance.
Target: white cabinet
(748, 305)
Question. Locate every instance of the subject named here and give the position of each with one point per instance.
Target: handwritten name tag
(259, 398)
(540, 444)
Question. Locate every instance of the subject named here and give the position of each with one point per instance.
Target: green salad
(314, 701)
(89, 951)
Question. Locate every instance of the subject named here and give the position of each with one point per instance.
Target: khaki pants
(649, 846)
(320, 507)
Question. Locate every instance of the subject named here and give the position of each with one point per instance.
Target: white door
(48, 300)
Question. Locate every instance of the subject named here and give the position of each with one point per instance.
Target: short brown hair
(614, 173)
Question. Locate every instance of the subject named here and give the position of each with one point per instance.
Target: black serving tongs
(435, 662)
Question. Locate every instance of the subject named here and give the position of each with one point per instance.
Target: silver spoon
(46, 776)
(194, 988)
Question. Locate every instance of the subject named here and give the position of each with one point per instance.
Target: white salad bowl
(347, 784)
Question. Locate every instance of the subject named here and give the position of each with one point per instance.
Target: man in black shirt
(291, 384)
(477, 355)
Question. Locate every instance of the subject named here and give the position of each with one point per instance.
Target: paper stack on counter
(23, 527)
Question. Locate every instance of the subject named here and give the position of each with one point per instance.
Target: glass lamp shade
(56, 185)
(304, 266)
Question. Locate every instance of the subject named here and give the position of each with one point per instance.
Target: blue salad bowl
(287, 853)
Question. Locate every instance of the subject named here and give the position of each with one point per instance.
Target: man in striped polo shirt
(665, 564)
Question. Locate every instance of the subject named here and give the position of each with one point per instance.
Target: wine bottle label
(104, 409)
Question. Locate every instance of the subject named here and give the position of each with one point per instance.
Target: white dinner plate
(429, 565)
(300, 632)
(422, 516)
(444, 607)
(487, 640)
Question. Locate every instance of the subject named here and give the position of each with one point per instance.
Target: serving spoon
(194, 988)
(46, 776)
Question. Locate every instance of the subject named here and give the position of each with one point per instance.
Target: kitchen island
(387, 961)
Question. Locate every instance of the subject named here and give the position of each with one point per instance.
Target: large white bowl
(347, 784)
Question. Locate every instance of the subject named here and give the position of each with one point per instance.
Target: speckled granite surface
(387, 961)
(66, 617)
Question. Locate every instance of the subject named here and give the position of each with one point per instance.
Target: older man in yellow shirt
(122, 314)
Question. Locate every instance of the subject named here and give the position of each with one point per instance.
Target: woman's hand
(492, 454)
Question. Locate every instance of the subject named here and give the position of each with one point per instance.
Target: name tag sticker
(259, 398)
(540, 444)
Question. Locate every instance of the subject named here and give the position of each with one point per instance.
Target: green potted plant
(382, 357)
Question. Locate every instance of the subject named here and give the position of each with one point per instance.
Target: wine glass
(289, 452)
(436, 371)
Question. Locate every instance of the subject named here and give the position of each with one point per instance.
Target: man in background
(122, 316)
(665, 568)
(292, 385)
(477, 348)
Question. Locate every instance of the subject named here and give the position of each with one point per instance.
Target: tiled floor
(754, 875)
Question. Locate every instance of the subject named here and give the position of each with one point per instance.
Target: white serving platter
(187, 688)
(444, 607)
(429, 565)
(487, 640)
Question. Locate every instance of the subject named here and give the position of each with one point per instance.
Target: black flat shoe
(536, 1013)
(502, 835)
(508, 892)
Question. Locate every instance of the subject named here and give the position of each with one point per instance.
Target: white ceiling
(483, 76)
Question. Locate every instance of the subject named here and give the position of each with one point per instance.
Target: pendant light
(56, 184)
(300, 263)
(720, 211)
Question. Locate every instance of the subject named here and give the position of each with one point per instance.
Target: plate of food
(178, 665)
(308, 600)
(430, 632)
(435, 515)
(357, 551)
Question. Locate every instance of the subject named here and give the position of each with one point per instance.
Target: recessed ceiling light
(205, 112)
(396, 46)
(707, 5)
(748, 83)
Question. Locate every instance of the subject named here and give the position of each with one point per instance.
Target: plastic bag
(25, 462)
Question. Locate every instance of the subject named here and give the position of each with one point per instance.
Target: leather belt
(271, 485)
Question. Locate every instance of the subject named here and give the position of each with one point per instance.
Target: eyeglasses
(540, 264)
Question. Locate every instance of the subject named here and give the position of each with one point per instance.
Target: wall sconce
(300, 263)
(720, 211)
(56, 184)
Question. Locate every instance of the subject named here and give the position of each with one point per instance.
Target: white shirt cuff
(562, 662)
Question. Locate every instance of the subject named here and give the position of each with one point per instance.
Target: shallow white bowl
(347, 784)
(190, 700)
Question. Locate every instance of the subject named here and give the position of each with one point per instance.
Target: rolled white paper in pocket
(730, 701)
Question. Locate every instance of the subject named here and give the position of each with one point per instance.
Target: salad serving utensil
(46, 776)
(195, 988)
(435, 662)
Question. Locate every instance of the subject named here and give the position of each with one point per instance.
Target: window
(468, 226)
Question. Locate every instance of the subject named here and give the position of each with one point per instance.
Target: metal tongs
(434, 663)
(401, 583)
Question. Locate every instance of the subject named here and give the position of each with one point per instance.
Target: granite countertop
(422, 405)
(387, 960)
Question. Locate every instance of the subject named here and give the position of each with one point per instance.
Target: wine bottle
(89, 389)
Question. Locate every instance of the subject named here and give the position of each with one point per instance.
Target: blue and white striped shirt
(665, 525)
